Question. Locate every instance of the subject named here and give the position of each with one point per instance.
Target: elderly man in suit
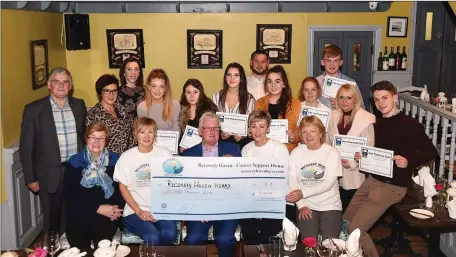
(52, 131)
(224, 230)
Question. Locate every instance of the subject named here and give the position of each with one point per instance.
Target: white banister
(434, 120)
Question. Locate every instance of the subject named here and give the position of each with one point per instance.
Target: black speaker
(77, 31)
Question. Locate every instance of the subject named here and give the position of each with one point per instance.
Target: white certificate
(376, 161)
(278, 130)
(190, 137)
(348, 145)
(217, 188)
(331, 85)
(233, 123)
(168, 140)
(323, 115)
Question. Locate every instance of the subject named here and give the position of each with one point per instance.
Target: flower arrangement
(38, 252)
(310, 243)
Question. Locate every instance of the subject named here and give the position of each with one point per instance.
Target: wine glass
(324, 246)
(147, 249)
(289, 238)
(51, 242)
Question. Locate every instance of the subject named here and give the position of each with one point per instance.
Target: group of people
(95, 165)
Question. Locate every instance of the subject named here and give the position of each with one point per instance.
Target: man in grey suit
(52, 131)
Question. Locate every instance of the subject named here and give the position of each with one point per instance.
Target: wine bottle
(385, 59)
(398, 59)
(404, 59)
(391, 59)
(380, 62)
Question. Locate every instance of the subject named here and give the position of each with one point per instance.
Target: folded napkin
(290, 234)
(72, 252)
(429, 185)
(451, 205)
(422, 173)
(352, 244)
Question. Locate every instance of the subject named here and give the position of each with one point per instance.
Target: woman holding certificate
(350, 119)
(133, 174)
(280, 104)
(309, 93)
(314, 168)
(194, 103)
(234, 99)
(159, 104)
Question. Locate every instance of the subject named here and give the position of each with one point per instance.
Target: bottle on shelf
(391, 59)
(380, 62)
(385, 59)
(398, 58)
(404, 59)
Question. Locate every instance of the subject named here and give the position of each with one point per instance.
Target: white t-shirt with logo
(315, 172)
(133, 170)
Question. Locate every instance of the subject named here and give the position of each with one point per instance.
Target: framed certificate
(275, 40)
(204, 49)
(332, 84)
(348, 145)
(40, 64)
(323, 115)
(376, 161)
(190, 137)
(168, 139)
(125, 43)
(278, 130)
(234, 123)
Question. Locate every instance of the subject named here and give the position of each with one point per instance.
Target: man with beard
(259, 64)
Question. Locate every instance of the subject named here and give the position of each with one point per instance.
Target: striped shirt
(65, 125)
(235, 109)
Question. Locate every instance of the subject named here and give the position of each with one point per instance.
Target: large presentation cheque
(217, 188)
(376, 161)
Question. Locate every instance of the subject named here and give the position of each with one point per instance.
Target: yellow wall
(18, 29)
(453, 5)
(165, 43)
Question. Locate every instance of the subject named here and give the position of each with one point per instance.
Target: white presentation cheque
(376, 161)
(278, 130)
(190, 137)
(217, 188)
(168, 139)
(323, 115)
(234, 123)
(348, 145)
(332, 84)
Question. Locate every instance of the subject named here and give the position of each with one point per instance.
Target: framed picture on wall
(397, 26)
(40, 65)
(125, 43)
(275, 40)
(204, 49)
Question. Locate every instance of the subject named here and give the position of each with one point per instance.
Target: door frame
(376, 29)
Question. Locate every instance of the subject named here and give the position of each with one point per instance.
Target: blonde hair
(356, 99)
(167, 97)
(314, 121)
(258, 115)
(142, 124)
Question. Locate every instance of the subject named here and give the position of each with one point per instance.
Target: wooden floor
(419, 245)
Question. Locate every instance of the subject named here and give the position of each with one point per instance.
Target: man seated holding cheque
(197, 231)
(412, 148)
(258, 231)
(132, 171)
(314, 168)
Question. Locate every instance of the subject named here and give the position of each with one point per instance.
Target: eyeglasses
(64, 83)
(216, 129)
(345, 98)
(109, 92)
(99, 139)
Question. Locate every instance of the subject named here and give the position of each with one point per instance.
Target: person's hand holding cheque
(294, 196)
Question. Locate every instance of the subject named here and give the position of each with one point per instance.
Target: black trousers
(345, 197)
(80, 233)
(52, 209)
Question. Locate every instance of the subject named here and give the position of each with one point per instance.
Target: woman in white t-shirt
(258, 231)
(314, 168)
(310, 92)
(132, 171)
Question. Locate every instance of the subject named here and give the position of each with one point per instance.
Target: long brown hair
(123, 81)
(285, 97)
(167, 97)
